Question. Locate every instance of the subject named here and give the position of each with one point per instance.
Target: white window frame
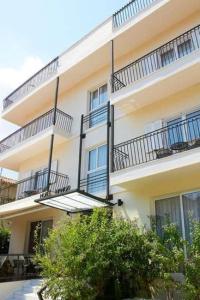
(174, 47)
(180, 195)
(90, 110)
(97, 169)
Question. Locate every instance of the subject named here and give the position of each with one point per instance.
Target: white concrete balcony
(34, 138)
(163, 72)
(172, 148)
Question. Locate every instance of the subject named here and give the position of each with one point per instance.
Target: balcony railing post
(112, 66)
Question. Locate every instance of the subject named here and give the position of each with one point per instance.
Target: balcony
(168, 148)
(161, 72)
(130, 10)
(15, 267)
(32, 83)
(29, 189)
(35, 137)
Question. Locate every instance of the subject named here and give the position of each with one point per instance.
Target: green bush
(192, 266)
(4, 239)
(98, 257)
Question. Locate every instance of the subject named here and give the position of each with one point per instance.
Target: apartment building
(113, 121)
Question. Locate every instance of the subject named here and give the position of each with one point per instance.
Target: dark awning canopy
(74, 201)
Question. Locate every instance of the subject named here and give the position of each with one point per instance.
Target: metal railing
(95, 117)
(32, 83)
(180, 136)
(129, 11)
(177, 48)
(63, 121)
(95, 182)
(18, 267)
(37, 184)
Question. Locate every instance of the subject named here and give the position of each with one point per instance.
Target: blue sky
(34, 32)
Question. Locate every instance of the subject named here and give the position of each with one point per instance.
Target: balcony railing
(176, 49)
(178, 137)
(38, 184)
(63, 121)
(129, 11)
(32, 83)
(18, 267)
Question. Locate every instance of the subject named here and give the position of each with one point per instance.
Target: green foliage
(4, 239)
(96, 256)
(192, 267)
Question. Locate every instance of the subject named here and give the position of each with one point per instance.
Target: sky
(34, 32)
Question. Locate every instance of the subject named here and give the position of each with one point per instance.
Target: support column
(52, 136)
(112, 66)
(112, 137)
(108, 152)
(82, 136)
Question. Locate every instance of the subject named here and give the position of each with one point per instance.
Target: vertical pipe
(112, 66)
(56, 100)
(108, 151)
(52, 136)
(112, 137)
(80, 152)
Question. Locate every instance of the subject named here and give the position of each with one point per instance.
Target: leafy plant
(99, 257)
(4, 239)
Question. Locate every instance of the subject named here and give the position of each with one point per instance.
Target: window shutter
(54, 169)
(24, 185)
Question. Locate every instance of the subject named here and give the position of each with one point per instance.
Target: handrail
(158, 58)
(177, 137)
(128, 11)
(37, 184)
(63, 121)
(30, 84)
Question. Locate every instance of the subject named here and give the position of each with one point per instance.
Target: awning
(74, 201)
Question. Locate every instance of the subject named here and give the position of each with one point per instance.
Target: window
(184, 48)
(97, 169)
(193, 125)
(175, 131)
(167, 57)
(180, 210)
(42, 228)
(175, 50)
(98, 98)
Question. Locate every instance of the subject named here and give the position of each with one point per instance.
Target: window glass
(193, 123)
(92, 160)
(191, 209)
(184, 48)
(167, 57)
(175, 131)
(102, 151)
(168, 210)
(103, 95)
(97, 169)
(98, 98)
(94, 102)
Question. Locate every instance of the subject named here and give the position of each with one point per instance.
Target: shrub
(192, 266)
(4, 239)
(98, 257)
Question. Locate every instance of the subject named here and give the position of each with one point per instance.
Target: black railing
(32, 83)
(18, 267)
(157, 59)
(129, 11)
(63, 121)
(177, 137)
(37, 184)
(95, 182)
(95, 117)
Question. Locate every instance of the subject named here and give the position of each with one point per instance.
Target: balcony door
(181, 210)
(42, 228)
(97, 169)
(98, 98)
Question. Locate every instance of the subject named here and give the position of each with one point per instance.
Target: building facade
(112, 121)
